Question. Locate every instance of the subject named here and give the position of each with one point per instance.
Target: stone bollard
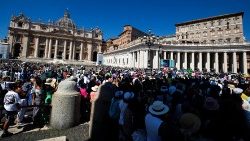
(65, 105)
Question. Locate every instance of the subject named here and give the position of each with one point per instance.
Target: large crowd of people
(163, 105)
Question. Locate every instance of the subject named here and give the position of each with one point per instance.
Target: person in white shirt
(11, 105)
(153, 120)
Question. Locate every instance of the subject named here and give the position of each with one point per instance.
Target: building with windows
(128, 35)
(221, 29)
(53, 40)
(226, 52)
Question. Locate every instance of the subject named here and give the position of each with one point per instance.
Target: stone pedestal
(65, 105)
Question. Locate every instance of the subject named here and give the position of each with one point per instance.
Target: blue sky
(111, 15)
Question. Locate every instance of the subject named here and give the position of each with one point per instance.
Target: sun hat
(48, 81)
(158, 108)
(211, 104)
(190, 123)
(231, 86)
(128, 95)
(118, 93)
(237, 90)
(95, 88)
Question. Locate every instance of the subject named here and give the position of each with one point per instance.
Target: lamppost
(149, 41)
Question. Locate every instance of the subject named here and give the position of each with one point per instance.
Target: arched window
(205, 33)
(237, 39)
(227, 25)
(20, 24)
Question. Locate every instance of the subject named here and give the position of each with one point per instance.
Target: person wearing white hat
(153, 120)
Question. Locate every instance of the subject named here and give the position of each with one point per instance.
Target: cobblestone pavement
(29, 133)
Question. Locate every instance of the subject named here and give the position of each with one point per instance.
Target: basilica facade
(212, 44)
(61, 39)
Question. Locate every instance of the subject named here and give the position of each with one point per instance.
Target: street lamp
(149, 41)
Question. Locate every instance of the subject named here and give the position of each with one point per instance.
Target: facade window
(219, 22)
(32, 39)
(20, 24)
(227, 25)
(205, 33)
(228, 40)
(18, 38)
(220, 40)
(204, 42)
(197, 35)
(212, 23)
(205, 25)
(237, 39)
(212, 32)
(212, 41)
(182, 36)
(220, 31)
(186, 35)
(198, 26)
(237, 29)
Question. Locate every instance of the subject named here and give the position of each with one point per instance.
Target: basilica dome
(66, 22)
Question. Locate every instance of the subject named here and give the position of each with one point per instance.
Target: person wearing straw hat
(154, 119)
(189, 124)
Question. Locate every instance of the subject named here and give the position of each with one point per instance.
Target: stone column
(164, 55)
(146, 59)
(192, 65)
(46, 48)
(99, 48)
(216, 62)
(132, 59)
(157, 59)
(185, 61)
(70, 50)
(36, 47)
(234, 62)
(200, 61)
(138, 59)
(25, 46)
(225, 62)
(56, 49)
(245, 63)
(81, 51)
(171, 55)
(178, 61)
(64, 50)
(89, 46)
(141, 58)
(74, 51)
(208, 62)
(50, 46)
(11, 38)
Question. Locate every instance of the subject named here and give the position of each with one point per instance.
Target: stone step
(61, 138)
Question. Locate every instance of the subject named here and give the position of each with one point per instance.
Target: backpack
(114, 110)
